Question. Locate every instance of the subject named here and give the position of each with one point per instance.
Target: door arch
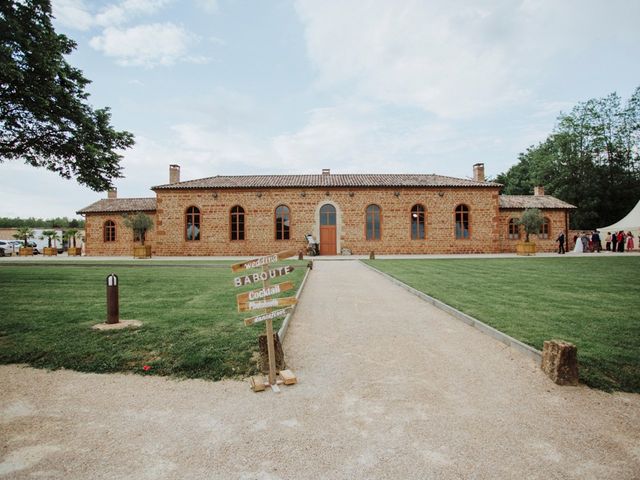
(328, 230)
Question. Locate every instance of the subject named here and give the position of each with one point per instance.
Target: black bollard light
(113, 304)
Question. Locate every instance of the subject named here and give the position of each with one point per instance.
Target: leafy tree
(51, 236)
(139, 222)
(70, 236)
(531, 220)
(45, 119)
(591, 159)
(63, 222)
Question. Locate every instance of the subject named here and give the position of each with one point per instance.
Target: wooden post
(113, 304)
(271, 349)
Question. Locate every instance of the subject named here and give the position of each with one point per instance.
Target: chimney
(538, 191)
(478, 172)
(112, 193)
(174, 173)
(326, 171)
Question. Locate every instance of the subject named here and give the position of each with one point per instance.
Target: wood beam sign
(260, 302)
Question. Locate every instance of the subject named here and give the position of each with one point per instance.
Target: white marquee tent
(629, 223)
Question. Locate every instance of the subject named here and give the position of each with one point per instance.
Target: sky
(239, 87)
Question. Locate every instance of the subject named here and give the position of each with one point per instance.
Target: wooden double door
(328, 233)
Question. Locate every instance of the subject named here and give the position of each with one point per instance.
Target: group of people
(591, 242)
(616, 241)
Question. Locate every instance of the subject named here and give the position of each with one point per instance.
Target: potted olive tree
(140, 223)
(24, 234)
(52, 237)
(71, 234)
(531, 220)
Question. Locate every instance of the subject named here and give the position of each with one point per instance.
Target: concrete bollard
(113, 303)
(560, 362)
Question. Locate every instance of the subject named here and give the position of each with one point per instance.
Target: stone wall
(123, 246)
(556, 223)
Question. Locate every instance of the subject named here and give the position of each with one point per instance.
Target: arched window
(514, 229)
(462, 221)
(192, 224)
(328, 215)
(544, 228)
(282, 223)
(417, 222)
(109, 231)
(373, 222)
(237, 223)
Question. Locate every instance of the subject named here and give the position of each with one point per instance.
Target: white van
(8, 248)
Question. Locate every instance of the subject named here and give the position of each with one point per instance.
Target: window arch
(283, 223)
(373, 222)
(417, 222)
(544, 228)
(462, 222)
(327, 214)
(192, 224)
(109, 231)
(237, 223)
(514, 229)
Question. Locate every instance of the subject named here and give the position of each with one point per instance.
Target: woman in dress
(630, 245)
(578, 248)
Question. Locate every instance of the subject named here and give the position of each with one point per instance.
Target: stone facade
(487, 220)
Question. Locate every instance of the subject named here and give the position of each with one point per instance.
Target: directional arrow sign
(267, 316)
(262, 276)
(273, 302)
(258, 262)
(254, 295)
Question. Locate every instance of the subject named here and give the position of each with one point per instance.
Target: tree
(45, 119)
(139, 222)
(531, 220)
(24, 234)
(70, 236)
(591, 160)
(51, 236)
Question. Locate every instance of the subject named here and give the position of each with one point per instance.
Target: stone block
(560, 362)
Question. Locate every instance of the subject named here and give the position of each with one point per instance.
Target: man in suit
(560, 240)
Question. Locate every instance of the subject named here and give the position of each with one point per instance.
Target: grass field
(191, 325)
(592, 302)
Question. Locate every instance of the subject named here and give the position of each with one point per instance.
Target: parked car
(17, 244)
(7, 247)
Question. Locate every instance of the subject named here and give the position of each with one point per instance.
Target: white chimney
(326, 171)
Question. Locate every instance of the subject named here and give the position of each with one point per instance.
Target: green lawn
(191, 325)
(592, 302)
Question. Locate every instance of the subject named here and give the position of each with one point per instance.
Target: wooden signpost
(260, 299)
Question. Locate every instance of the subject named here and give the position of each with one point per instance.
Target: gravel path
(389, 387)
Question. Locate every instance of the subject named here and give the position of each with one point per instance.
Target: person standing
(595, 239)
(585, 242)
(621, 236)
(607, 241)
(614, 242)
(630, 245)
(560, 241)
(578, 246)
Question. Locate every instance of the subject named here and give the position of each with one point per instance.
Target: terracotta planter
(74, 251)
(25, 251)
(49, 251)
(142, 251)
(526, 248)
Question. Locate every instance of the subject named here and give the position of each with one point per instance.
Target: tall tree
(591, 159)
(45, 119)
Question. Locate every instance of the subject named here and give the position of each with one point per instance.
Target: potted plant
(531, 220)
(52, 237)
(24, 234)
(71, 235)
(139, 223)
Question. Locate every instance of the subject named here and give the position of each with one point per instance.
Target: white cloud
(449, 58)
(126, 10)
(209, 6)
(147, 45)
(72, 14)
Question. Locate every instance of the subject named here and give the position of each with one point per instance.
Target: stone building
(346, 213)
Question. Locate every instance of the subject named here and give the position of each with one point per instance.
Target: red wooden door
(328, 244)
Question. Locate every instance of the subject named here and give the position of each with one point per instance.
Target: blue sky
(369, 86)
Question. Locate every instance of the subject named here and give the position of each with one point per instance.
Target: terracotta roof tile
(109, 205)
(322, 181)
(533, 201)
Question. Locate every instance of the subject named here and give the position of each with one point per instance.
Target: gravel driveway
(389, 387)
